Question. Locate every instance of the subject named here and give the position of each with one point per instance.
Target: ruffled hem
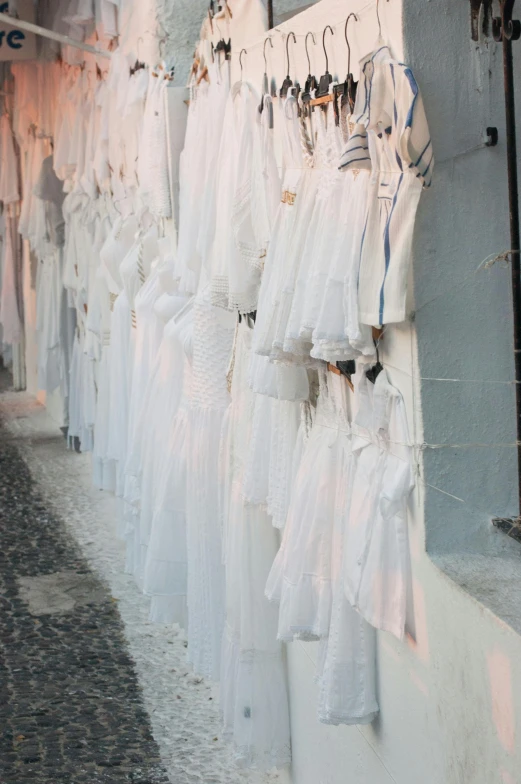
(305, 609)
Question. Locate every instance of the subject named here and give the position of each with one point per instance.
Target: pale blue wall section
(463, 317)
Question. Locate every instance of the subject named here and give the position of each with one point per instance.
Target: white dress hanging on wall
(254, 698)
(212, 344)
(164, 496)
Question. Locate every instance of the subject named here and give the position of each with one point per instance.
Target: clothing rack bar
(44, 33)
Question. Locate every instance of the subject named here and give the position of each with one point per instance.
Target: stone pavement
(71, 709)
(90, 690)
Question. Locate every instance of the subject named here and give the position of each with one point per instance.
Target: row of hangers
(316, 92)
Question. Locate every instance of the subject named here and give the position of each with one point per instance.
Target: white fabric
(376, 568)
(393, 140)
(254, 697)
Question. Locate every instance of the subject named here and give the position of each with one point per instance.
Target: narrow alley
(85, 695)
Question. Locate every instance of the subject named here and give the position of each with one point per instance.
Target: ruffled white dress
(300, 579)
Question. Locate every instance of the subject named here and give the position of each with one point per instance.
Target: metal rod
(270, 14)
(513, 203)
(44, 33)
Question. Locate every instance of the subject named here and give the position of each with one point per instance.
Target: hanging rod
(63, 39)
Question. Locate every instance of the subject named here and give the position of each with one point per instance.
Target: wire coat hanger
(326, 78)
(265, 84)
(240, 59)
(322, 93)
(380, 37)
(347, 41)
(311, 82)
(326, 28)
(347, 89)
(287, 83)
(306, 46)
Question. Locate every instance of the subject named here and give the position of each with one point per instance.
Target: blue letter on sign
(13, 36)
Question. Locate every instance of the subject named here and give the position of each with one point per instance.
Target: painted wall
(178, 23)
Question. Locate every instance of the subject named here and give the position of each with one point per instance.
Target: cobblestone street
(90, 691)
(70, 705)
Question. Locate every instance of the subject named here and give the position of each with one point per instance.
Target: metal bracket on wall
(492, 136)
(475, 11)
(504, 28)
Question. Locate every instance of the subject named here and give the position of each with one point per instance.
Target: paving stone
(169, 719)
(50, 670)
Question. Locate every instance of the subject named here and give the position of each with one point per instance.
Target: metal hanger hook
(240, 59)
(326, 28)
(287, 47)
(264, 52)
(306, 45)
(162, 42)
(378, 18)
(347, 41)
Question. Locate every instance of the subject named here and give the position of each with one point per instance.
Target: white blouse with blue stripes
(390, 138)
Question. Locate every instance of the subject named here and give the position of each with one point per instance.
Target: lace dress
(254, 699)
(165, 576)
(212, 344)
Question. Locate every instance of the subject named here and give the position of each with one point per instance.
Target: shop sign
(17, 44)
